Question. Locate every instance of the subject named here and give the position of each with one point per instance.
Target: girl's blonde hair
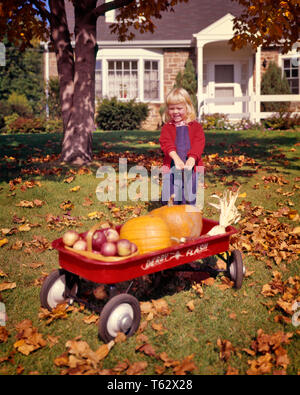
(176, 96)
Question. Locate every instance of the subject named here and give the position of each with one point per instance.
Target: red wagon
(122, 312)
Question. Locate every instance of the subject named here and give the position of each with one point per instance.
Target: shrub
(215, 121)
(188, 81)
(19, 104)
(282, 120)
(116, 115)
(273, 82)
(24, 125)
(53, 98)
(4, 112)
(54, 126)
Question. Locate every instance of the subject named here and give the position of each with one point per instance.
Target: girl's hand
(179, 164)
(190, 163)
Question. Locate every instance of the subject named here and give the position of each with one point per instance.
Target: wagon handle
(90, 234)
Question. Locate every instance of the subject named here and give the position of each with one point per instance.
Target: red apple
(98, 239)
(124, 247)
(111, 234)
(109, 249)
(80, 245)
(133, 247)
(70, 237)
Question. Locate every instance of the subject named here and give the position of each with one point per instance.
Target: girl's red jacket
(168, 137)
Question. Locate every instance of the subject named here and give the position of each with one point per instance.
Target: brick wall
(269, 55)
(174, 61)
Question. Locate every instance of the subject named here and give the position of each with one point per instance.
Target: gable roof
(186, 20)
(178, 26)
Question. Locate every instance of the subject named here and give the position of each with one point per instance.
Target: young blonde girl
(182, 141)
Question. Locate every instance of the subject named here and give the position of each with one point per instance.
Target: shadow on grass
(21, 154)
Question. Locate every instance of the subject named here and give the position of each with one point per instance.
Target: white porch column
(200, 45)
(257, 83)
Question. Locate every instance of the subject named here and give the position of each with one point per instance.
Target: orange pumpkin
(147, 232)
(182, 220)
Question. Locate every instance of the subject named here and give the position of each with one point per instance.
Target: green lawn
(225, 330)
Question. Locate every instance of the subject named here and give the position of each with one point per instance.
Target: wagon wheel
(120, 314)
(236, 268)
(57, 288)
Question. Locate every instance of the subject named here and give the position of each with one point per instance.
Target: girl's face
(177, 112)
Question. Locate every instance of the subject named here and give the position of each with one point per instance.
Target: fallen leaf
(190, 305)
(7, 285)
(3, 334)
(146, 349)
(24, 228)
(29, 338)
(91, 319)
(186, 365)
(75, 189)
(137, 368)
(3, 242)
(226, 349)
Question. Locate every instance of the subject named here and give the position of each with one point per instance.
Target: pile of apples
(107, 242)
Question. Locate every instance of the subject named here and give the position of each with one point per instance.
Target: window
(291, 70)
(224, 79)
(98, 79)
(151, 80)
(224, 73)
(130, 74)
(123, 79)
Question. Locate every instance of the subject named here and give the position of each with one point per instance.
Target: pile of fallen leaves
(273, 358)
(264, 236)
(289, 294)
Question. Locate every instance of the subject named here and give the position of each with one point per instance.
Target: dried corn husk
(228, 212)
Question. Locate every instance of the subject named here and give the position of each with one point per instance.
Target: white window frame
(139, 55)
(293, 55)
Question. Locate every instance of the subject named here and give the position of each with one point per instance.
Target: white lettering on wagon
(160, 259)
(196, 250)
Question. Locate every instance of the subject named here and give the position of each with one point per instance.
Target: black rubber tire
(55, 277)
(130, 303)
(238, 268)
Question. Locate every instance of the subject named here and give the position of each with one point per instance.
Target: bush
(19, 104)
(273, 82)
(54, 126)
(4, 112)
(215, 121)
(116, 115)
(188, 81)
(282, 120)
(24, 125)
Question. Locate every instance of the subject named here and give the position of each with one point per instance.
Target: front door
(224, 84)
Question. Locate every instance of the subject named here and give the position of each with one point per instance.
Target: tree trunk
(60, 37)
(77, 141)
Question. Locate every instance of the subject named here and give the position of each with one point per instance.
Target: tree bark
(77, 141)
(77, 74)
(61, 41)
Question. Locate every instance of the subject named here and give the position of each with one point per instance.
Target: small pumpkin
(183, 220)
(147, 232)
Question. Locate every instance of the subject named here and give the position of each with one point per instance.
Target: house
(146, 67)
